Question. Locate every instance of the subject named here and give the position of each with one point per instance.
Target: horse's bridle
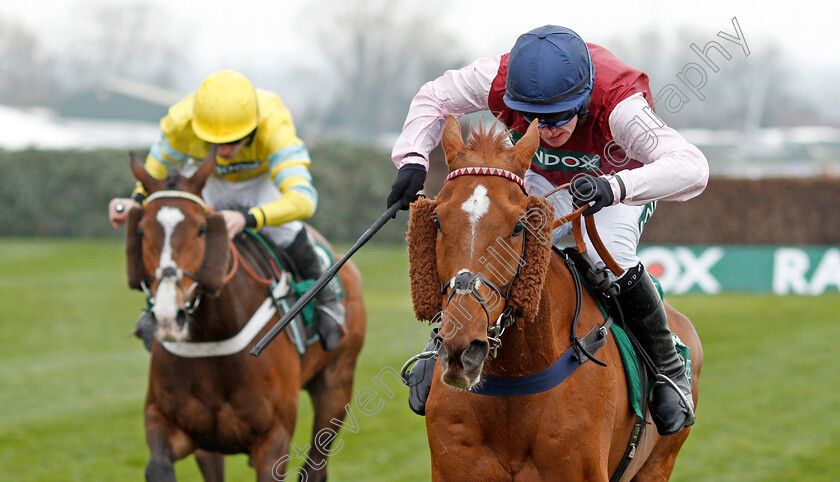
(192, 295)
(466, 282)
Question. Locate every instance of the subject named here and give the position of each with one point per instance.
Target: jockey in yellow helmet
(261, 180)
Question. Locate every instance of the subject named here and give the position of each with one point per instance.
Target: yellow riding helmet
(225, 108)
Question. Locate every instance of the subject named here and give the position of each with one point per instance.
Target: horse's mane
(486, 142)
(254, 253)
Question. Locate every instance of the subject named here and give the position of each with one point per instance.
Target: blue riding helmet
(549, 70)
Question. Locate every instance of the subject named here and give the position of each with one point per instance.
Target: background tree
(132, 41)
(747, 92)
(379, 53)
(26, 69)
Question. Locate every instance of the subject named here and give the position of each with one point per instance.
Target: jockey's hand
(587, 189)
(118, 210)
(408, 183)
(235, 222)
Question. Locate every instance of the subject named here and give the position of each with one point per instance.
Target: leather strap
(602, 251)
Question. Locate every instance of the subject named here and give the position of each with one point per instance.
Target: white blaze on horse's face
(476, 206)
(166, 301)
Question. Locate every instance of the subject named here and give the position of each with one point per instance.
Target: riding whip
(322, 281)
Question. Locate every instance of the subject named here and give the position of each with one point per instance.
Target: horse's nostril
(181, 318)
(476, 352)
(443, 354)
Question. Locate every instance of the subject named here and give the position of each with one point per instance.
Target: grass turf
(72, 381)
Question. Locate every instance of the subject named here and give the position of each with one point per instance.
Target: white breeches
(221, 194)
(619, 226)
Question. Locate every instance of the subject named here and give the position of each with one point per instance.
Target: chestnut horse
(482, 250)
(232, 403)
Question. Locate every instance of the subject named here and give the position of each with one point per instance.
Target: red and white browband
(487, 171)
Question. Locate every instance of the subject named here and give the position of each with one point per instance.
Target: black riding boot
(420, 379)
(329, 312)
(672, 407)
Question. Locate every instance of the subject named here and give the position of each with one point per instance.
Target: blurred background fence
(65, 193)
(779, 235)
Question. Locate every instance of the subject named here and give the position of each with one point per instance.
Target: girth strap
(597, 337)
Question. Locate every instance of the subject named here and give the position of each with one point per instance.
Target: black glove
(409, 181)
(589, 189)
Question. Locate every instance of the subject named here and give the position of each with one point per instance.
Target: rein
(591, 231)
(237, 258)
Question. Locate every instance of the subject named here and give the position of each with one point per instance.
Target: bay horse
(234, 403)
(481, 252)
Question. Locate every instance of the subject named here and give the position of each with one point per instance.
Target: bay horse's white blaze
(476, 206)
(166, 302)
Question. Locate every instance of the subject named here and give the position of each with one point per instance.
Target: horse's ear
(216, 262)
(196, 183)
(526, 291)
(524, 150)
(138, 168)
(452, 141)
(134, 250)
(422, 260)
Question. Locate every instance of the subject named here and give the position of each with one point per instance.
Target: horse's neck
(223, 316)
(530, 347)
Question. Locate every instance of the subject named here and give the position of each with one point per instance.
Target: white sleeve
(456, 92)
(674, 169)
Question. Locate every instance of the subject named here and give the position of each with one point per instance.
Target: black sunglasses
(552, 120)
(247, 138)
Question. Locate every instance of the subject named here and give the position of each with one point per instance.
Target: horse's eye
(437, 223)
(517, 230)
(139, 231)
(201, 230)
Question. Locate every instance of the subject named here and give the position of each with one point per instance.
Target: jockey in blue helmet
(617, 156)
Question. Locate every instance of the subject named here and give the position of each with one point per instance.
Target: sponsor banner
(781, 270)
(551, 159)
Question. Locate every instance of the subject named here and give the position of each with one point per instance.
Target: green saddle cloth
(630, 358)
(302, 286)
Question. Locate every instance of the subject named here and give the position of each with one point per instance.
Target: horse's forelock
(173, 179)
(487, 143)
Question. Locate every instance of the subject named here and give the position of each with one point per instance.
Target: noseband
(467, 283)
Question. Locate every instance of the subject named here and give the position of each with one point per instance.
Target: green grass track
(72, 381)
